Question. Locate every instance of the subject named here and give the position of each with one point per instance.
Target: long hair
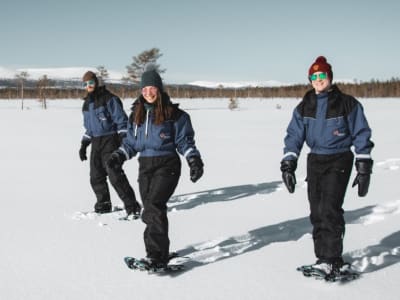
(163, 109)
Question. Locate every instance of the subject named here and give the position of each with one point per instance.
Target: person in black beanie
(330, 122)
(158, 129)
(105, 122)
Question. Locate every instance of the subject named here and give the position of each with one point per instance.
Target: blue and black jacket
(329, 123)
(175, 134)
(103, 114)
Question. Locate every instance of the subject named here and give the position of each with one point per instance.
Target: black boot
(102, 207)
(133, 212)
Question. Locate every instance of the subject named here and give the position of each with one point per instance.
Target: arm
(118, 115)
(87, 136)
(295, 137)
(125, 151)
(360, 133)
(127, 147)
(294, 141)
(184, 137)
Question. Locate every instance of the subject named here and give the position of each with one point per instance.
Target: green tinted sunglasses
(89, 83)
(321, 76)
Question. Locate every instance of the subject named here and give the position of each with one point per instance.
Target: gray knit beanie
(150, 77)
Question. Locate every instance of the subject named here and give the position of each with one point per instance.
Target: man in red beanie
(330, 122)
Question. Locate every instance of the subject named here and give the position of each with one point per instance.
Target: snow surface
(243, 232)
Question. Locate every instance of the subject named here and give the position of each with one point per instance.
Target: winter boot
(322, 267)
(102, 207)
(133, 212)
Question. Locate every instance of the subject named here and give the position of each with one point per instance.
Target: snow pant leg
(98, 177)
(120, 183)
(328, 177)
(101, 149)
(158, 178)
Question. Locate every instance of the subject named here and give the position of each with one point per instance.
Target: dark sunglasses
(89, 83)
(321, 76)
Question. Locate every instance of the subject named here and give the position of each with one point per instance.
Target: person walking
(330, 122)
(105, 122)
(158, 129)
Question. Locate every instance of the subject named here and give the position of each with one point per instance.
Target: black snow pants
(102, 147)
(158, 178)
(327, 180)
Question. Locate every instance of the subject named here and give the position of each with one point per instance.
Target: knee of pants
(154, 215)
(115, 175)
(96, 180)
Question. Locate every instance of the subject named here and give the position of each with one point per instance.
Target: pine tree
(135, 70)
(102, 74)
(21, 78)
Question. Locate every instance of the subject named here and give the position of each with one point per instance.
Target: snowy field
(243, 232)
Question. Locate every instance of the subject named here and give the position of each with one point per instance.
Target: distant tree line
(46, 88)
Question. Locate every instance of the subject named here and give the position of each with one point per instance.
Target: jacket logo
(164, 136)
(338, 133)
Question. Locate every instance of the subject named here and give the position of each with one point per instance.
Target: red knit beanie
(321, 65)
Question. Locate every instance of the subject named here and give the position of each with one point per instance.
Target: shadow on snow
(215, 250)
(376, 257)
(188, 201)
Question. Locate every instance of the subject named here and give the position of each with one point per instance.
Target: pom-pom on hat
(150, 77)
(321, 65)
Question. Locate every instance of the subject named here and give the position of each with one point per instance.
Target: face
(320, 82)
(89, 85)
(150, 93)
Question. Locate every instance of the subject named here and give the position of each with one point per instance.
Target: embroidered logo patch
(164, 136)
(316, 67)
(338, 133)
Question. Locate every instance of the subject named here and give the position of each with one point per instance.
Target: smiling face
(320, 82)
(150, 93)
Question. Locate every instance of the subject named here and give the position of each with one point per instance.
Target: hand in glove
(364, 170)
(82, 150)
(289, 178)
(116, 160)
(196, 168)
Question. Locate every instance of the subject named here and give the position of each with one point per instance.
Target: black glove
(196, 168)
(364, 170)
(116, 160)
(82, 150)
(289, 178)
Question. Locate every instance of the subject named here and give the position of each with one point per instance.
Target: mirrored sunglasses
(321, 76)
(89, 83)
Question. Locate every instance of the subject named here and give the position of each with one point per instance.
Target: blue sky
(226, 40)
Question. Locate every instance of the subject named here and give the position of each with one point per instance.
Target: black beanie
(151, 78)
